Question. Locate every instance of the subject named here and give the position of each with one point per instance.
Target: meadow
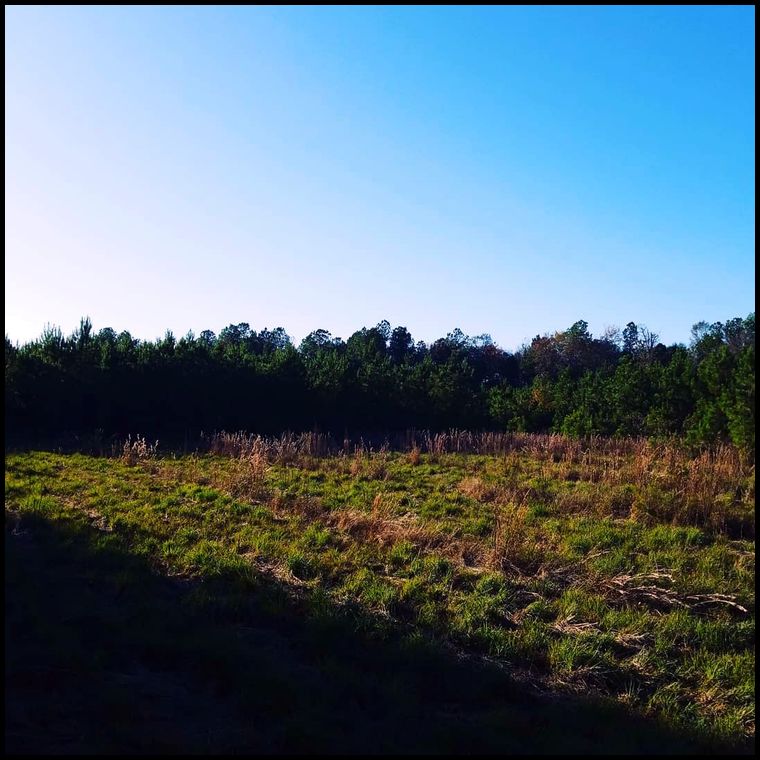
(460, 592)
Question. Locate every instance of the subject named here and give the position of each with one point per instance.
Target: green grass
(543, 571)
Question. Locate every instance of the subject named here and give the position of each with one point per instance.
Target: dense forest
(624, 382)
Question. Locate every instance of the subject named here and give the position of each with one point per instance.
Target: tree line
(624, 382)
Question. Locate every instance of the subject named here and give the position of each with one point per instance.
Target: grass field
(552, 597)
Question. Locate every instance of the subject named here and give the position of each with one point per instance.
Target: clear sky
(500, 170)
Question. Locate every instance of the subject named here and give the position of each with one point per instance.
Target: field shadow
(104, 655)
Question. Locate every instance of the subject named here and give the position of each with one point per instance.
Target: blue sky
(500, 170)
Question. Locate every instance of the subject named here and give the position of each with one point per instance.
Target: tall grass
(553, 447)
(138, 450)
(644, 479)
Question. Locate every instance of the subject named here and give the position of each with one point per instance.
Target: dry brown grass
(515, 549)
(544, 447)
(385, 530)
(596, 457)
(138, 450)
(245, 477)
(652, 482)
(284, 449)
(587, 501)
(309, 507)
(356, 464)
(633, 478)
(475, 488)
(715, 488)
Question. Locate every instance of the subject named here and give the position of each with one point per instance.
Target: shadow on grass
(105, 655)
